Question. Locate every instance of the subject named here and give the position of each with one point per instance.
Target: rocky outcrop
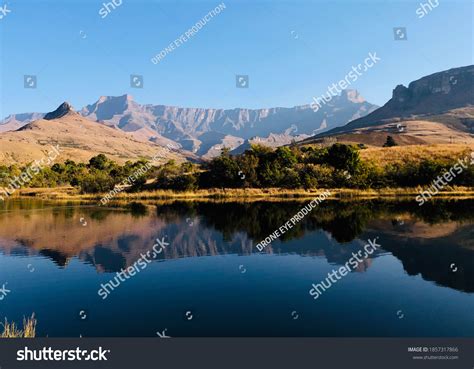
(432, 95)
(436, 93)
(62, 110)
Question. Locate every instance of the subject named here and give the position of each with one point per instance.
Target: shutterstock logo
(48, 354)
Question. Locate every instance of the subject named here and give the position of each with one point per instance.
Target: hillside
(16, 121)
(78, 138)
(436, 109)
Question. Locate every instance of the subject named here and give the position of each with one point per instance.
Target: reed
(11, 330)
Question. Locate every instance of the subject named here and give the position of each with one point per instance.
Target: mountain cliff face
(206, 131)
(437, 97)
(435, 93)
(197, 129)
(180, 123)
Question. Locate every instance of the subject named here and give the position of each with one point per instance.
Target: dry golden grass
(79, 139)
(10, 330)
(71, 193)
(382, 156)
(414, 132)
(247, 194)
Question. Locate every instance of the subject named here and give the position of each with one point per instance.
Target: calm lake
(212, 281)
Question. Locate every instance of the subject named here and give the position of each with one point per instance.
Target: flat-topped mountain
(191, 127)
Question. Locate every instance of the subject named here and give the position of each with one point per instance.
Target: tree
(290, 178)
(96, 181)
(248, 164)
(285, 157)
(343, 157)
(99, 162)
(314, 155)
(224, 171)
(390, 142)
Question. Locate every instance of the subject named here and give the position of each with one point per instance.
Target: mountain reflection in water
(432, 240)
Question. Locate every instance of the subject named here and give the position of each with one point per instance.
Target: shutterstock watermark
(4, 11)
(29, 173)
(141, 264)
(49, 354)
(129, 181)
(299, 216)
(353, 262)
(188, 34)
(427, 7)
(442, 181)
(352, 76)
(4, 291)
(108, 8)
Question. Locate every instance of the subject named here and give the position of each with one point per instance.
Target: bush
(96, 182)
(390, 142)
(343, 157)
(320, 176)
(224, 172)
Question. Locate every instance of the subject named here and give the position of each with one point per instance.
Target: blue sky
(291, 50)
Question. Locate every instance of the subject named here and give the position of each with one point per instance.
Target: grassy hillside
(78, 139)
(382, 156)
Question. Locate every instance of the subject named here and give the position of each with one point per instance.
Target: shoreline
(70, 193)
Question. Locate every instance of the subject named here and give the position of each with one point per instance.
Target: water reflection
(428, 240)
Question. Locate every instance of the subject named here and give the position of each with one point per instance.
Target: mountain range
(205, 132)
(434, 109)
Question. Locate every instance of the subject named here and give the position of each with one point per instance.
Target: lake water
(212, 281)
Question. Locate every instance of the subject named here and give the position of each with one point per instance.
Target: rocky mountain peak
(352, 96)
(61, 111)
(125, 97)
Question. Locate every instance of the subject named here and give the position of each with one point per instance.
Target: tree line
(337, 166)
